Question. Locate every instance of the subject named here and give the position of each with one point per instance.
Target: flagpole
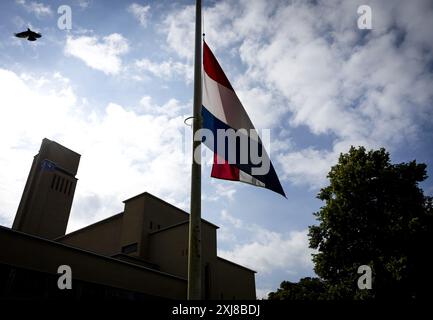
(194, 241)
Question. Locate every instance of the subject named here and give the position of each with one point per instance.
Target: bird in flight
(29, 34)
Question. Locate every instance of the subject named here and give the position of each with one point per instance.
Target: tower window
(70, 187)
(53, 181)
(66, 186)
(61, 184)
(57, 183)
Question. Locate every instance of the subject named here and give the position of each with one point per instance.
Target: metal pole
(194, 245)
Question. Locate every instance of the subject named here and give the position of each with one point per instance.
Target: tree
(375, 214)
(307, 289)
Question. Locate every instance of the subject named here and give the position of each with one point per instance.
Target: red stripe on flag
(213, 68)
(224, 170)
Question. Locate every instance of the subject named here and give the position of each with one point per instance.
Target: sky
(118, 85)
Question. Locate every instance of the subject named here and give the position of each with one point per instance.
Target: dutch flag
(222, 110)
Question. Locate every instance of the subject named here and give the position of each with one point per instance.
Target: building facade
(140, 253)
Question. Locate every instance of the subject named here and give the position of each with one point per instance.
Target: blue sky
(118, 85)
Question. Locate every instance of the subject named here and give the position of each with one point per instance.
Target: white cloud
(235, 222)
(265, 251)
(218, 19)
(221, 190)
(307, 64)
(140, 12)
(124, 152)
(339, 86)
(179, 27)
(171, 108)
(39, 9)
(166, 69)
(307, 167)
(263, 293)
(104, 55)
(271, 251)
(264, 108)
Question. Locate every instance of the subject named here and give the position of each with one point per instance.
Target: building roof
(237, 265)
(86, 228)
(168, 204)
(180, 224)
(90, 226)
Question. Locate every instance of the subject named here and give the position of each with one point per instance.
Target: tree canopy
(307, 289)
(374, 214)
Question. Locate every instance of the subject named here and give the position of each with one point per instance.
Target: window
(70, 187)
(53, 181)
(159, 226)
(61, 184)
(57, 184)
(66, 186)
(130, 248)
(151, 225)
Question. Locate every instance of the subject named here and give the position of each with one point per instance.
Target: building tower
(47, 198)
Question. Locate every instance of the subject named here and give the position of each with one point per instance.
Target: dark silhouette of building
(47, 198)
(140, 253)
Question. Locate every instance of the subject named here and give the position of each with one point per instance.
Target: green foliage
(307, 289)
(374, 214)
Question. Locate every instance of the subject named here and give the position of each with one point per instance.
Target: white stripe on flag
(224, 104)
(245, 177)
